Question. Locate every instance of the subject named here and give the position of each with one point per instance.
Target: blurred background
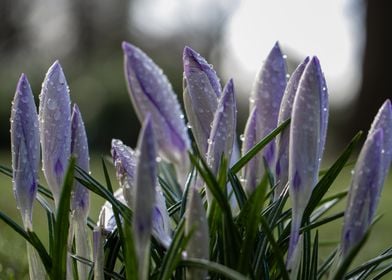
(352, 39)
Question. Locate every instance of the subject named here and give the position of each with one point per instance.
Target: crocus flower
(152, 94)
(222, 133)
(25, 162)
(125, 163)
(201, 93)
(79, 148)
(80, 195)
(370, 172)
(196, 224)
(266, 95)
(383, 120)
(307, 139)
(146, 180)
(282, 140)
(367, 181)
(55, 128)
(251, 174)
(25, 149)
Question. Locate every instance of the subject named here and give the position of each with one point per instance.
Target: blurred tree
(100, 25)
(377, 60)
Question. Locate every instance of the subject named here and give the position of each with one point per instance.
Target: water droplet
(242, 137)
(189, 125)
(52, 104)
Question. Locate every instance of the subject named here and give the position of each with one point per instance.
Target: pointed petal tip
(188, 51)
(129, 48)
(22, 83)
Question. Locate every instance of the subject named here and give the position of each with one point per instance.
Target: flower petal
(267, 94)
(124, 159)
(196, 224)
(55, 128)
(146, 179)
(151, 93)
(25, 149)
(222, 134)
(201, 92)
(79, 148)
(366, 183)
(282, 140)
(307, 139)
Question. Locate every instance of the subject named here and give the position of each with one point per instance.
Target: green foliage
(247, 242)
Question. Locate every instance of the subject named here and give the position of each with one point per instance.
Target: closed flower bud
(55, 128)
(124, 159)
(307, 139)
(201, 93)
(282, 140)
(365, 186)
(152, 94)
(79, 149)
(146, 179)
(25, 149)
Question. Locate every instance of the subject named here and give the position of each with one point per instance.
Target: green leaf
(250, 216)
(258, 147)
(326, 181)
(213, 267)
(173, 255)
(275, 249)
(61, 228)
(345, 264)
(32, 238)
(370, 264)
(93, 185)
(314, 261)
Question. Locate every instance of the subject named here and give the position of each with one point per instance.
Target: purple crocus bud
(383, 120)
(201, 93)
(222, 134)
(307, 139)
(125, 163)
(367, 182)
(282, 140)
(80, 199)
(266, 95)
(152, 94)
(79, 149)
(146, 179)
(196, 224)
(55, 128)
(124, 160)
(251, 173)
(25, 149)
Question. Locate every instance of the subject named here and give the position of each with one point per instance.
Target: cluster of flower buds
(61, 133)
